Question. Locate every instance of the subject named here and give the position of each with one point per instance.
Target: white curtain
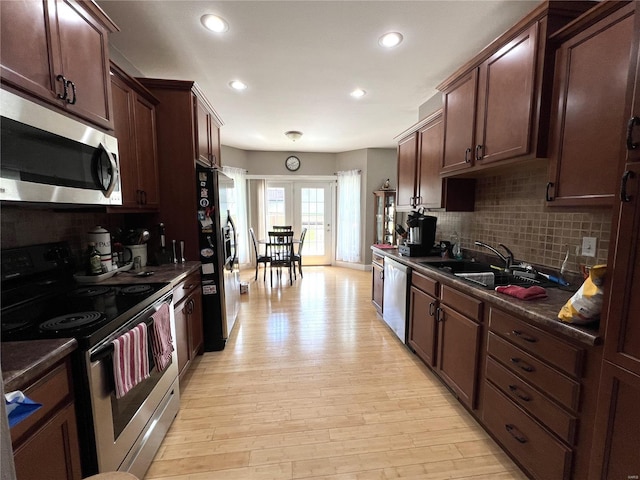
(348, 234)
(239, 177)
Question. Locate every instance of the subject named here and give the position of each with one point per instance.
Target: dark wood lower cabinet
(616, 444)
(377, 282)
(538, 451)
(45, 444)
(422, 325)
(188, 318)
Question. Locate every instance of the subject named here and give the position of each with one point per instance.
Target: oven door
(129, 430)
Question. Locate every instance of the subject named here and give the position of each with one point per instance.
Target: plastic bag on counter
(585, 305)
(19, 406)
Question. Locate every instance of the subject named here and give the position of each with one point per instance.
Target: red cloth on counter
(162, 344)
(523, 293)
(130, 359)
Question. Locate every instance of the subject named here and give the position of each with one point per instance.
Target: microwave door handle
(114, 169)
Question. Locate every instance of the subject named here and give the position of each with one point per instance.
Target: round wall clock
(292, 163)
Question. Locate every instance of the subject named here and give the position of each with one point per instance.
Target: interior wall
(234, 157)
(272, 163)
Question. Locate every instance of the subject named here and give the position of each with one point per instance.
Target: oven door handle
(107, 349)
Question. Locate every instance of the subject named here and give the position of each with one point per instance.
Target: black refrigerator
(217, 239)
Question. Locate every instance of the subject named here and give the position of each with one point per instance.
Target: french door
(304, 205)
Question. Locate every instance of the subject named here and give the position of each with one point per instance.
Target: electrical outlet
(589, 245)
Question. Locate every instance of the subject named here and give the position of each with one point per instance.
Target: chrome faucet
(508, 259)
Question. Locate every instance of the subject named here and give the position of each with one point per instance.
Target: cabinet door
(407, 158)
(429, 188)
(85, 62)
(203, 121)
(622, 342)
(505, 100)
(182, 335)
(458, 344)
(214, 142)
(589, 104)
(52, 452)
(422, 325)
(616, 441)
(123, 100)
(377, 289)
(459, 123)
(147, 155)
(26, 55)
(196, 336)
(632, 105)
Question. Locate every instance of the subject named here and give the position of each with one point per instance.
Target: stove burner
(136, 289)
(14, 326)
(71, 320)
(90, 291)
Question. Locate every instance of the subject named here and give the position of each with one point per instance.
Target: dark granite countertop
(172, 273)
(23, 362)
(542, 312)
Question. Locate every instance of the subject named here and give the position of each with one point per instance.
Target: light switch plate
(589, 246)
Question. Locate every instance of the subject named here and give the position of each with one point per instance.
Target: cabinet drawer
(464, 304)
(538, 451)
(532, 401)
(184, 288)
(547, 379)
(426, 284)
(52, 391)
(541, 344)
(377, 258)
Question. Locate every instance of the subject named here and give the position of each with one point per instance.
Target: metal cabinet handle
(466, 155)
(138, 197)
(432, 309)
(633, 121)
(624, 197)
(65, 92)
(548, 197)
(439, 315)
(515, 433)
(144, 197)
(381, 274)
(522, 365)
(73, 90)
(515, 390)
(526, 338)
(479, 152)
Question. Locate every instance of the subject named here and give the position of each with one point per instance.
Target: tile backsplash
(510, 209)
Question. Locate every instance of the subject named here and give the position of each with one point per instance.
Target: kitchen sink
(484, 275)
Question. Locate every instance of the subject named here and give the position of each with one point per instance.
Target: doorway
(309, 205)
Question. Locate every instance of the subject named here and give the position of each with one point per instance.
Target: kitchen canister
(102, 238)
(133, 251)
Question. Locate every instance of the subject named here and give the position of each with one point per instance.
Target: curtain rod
(359, 171)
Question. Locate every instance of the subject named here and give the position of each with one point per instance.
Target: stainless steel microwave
(46, 157)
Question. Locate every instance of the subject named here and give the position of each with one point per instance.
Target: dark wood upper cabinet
(587, 121)
(419, 180)
(135, 128)
(208, 132)
(496, 105)
(57, 51)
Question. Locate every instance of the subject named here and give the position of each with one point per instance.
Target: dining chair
(280, 252)
(297, 257)
(264, 259)
(281, 228)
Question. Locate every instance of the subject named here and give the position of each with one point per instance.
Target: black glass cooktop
(80, 312)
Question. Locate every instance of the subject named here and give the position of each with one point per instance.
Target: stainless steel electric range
(40, 299)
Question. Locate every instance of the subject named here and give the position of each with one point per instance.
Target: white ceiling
(301, 59)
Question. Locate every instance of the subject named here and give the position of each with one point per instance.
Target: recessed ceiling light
(237, 85)
(390, 40)
(357, 93)
(214, 23)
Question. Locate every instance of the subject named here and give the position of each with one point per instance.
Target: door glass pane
(275, 207)
(312, 213)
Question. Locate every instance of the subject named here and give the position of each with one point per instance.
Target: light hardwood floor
(312, 385)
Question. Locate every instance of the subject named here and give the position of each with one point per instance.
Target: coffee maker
(422, 235)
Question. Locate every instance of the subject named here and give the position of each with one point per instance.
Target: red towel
(130, 359)
(529, 293)
(162, 344)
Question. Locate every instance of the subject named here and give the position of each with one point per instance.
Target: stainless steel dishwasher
(395, 297)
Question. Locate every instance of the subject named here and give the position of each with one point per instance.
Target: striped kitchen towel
(162, 344)
(130, 359)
